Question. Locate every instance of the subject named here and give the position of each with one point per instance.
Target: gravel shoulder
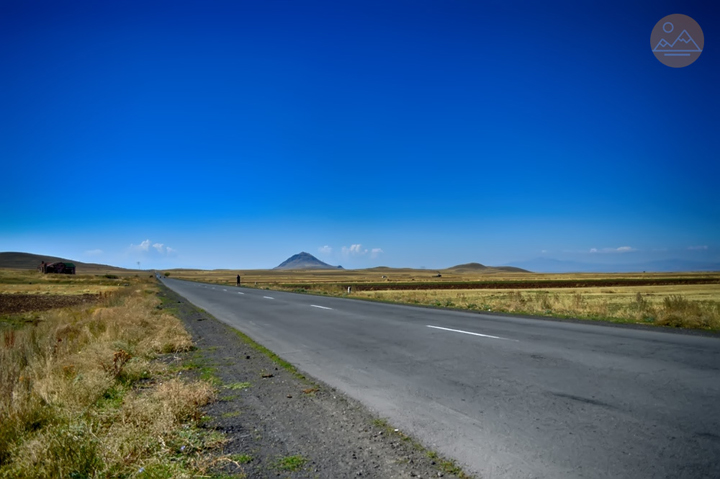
(280, 423)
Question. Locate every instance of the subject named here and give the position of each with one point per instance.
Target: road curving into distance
(507, 397)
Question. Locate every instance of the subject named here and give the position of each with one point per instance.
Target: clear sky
(235, 134)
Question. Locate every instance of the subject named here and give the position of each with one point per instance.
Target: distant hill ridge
(14, 260)
(475, 267)
(304, 261)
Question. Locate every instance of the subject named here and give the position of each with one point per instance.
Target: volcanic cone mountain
(304, 261)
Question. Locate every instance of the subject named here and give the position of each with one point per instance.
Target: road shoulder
(280, 423)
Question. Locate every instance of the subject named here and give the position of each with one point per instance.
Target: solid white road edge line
(468, 332)
(268, 297)
(321, 307)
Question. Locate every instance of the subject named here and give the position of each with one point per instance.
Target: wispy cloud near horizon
(147, 247)
(353, 250)
(621, 249)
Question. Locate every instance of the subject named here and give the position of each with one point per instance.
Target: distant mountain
(304, 261)
(14, 260)
(477, 267)
(548, 265)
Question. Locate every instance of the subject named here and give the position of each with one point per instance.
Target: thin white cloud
(161, 248)
(621, 249)
(144, 246)
(93, 252)
(325, 249)
(147, 247)
(354, 250)
(698, 248)
(357, 250)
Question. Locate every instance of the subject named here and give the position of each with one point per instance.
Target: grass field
(688, 300)
(82, 393)
(33, 282)
(688, 306)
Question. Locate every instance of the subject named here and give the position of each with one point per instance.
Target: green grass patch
(290, 463)
(241, 458)
(231, 414)
(381, 423)
(206, 369)
(112, 398)
(18, 320)
(238, 386)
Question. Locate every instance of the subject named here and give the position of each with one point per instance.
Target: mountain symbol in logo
(683, 43)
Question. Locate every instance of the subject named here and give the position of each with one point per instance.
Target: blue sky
(235, 134)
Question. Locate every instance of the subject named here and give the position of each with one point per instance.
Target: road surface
(507, 397)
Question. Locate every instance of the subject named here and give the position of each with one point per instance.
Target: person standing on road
(238, 280)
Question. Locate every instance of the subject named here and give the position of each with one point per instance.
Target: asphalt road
(507, 397)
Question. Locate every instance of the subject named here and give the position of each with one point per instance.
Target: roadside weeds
(84, 393)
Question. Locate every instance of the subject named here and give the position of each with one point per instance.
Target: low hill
(304, 261)
(468, 267)
(481, 268)
(13, 260)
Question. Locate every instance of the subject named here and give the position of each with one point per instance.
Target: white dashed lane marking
(268, 297)
(468, 332)
(321, 307)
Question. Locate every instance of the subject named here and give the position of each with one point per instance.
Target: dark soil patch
(281, 424)
(23, 303)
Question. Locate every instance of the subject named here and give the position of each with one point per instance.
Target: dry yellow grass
(14, 281)
(690, 306)
(69, 401)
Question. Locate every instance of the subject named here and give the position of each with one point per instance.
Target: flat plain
(687, 300)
